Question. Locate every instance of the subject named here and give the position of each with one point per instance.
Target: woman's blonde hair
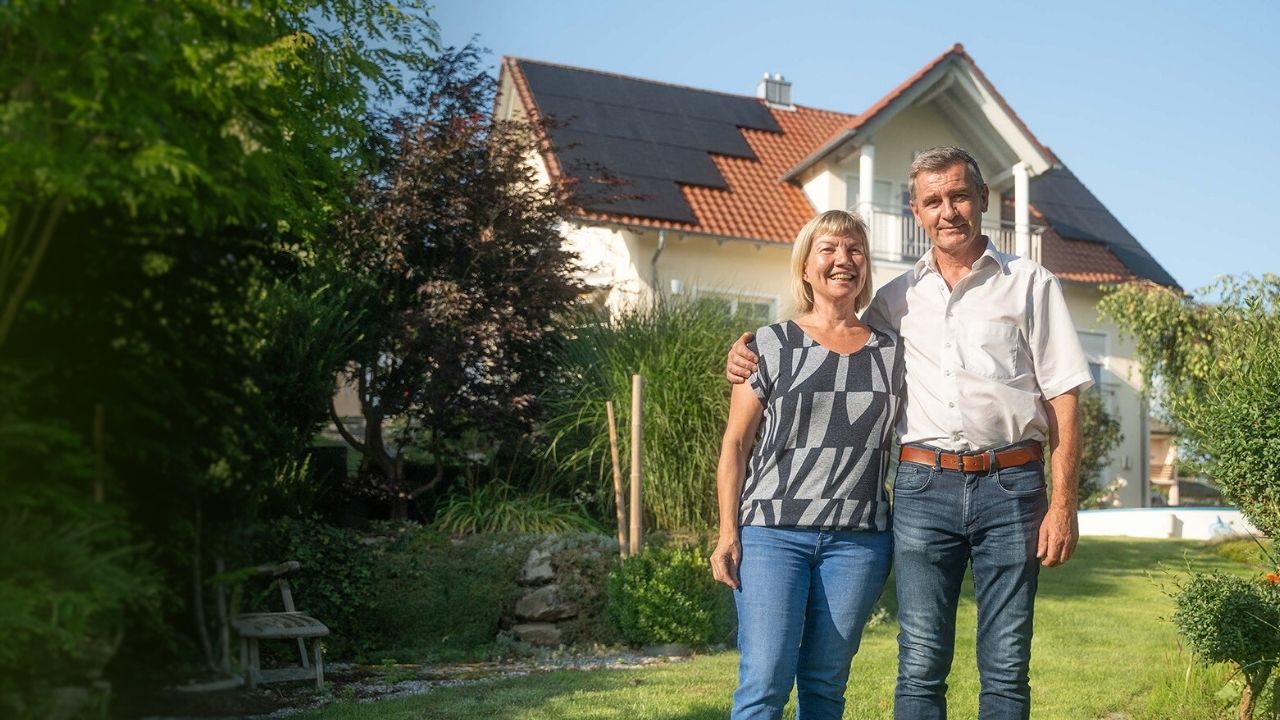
(838, 223)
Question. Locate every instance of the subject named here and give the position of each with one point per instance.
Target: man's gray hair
(940, 158)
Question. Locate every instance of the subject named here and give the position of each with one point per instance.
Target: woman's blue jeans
(943, 521)
(804, 597)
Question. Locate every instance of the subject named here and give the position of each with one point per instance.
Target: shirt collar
(989, 255)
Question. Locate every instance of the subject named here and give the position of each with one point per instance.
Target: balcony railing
(896, 236)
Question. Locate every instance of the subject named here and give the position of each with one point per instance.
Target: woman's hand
(725, 559)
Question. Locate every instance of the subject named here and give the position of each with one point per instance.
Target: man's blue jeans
(804, 597)
(942, 521)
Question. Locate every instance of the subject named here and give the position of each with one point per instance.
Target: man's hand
(1059, 533)
(725, 559)
(741, 362)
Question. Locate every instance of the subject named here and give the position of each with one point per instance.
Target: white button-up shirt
(980, 359)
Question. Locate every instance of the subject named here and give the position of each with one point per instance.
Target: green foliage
(666, 595)
(70, 572)
(164, 169)
(412, 594)
(1099, 436)
(335, 584)
(678, 348)
(1217, 372)
(499, 508)
(1233, 620)
(437, 599)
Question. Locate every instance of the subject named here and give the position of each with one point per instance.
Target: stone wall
(563, 602)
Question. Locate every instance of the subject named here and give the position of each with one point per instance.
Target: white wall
(1185, 523)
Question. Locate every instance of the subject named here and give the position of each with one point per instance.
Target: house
(698, 193)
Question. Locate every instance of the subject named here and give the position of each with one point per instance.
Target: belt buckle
(964, 462)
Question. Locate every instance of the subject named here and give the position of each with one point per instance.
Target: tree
(1099, 435)
(462, 247)
(164, 317)
(1215, 368)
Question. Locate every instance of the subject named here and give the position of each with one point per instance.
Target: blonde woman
(804, 535)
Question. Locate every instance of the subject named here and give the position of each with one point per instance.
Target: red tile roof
(759, 204)
(1082, 261)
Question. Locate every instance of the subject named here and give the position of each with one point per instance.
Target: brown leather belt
(973, 462)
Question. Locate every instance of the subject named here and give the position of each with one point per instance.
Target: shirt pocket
(991, 350)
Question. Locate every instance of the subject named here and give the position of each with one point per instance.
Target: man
(993, 369)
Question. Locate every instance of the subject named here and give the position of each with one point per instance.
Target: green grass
(1103, 649)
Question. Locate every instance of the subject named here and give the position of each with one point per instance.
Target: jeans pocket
(912, 478)
(1023, 480)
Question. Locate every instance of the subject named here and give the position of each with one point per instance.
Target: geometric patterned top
(823, 448)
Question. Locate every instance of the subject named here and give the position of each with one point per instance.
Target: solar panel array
(631, 143)
(1076, 214)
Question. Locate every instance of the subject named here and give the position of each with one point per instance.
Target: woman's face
(836, 267)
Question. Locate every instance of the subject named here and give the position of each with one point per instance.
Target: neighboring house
(699, 193)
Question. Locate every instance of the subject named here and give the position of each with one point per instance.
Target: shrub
(498, 508)
(441, 599)
(1234, 620)
(667, 595)
(335, 584)
(679, 349)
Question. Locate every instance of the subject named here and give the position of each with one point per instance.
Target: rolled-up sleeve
(1059, 360)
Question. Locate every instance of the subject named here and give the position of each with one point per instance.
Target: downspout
(653, 263)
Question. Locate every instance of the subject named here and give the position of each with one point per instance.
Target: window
(752, 308)
(1095, 349)
(881, 193)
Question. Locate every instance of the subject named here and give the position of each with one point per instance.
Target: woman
(804, 518)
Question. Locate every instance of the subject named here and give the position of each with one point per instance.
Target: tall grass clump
(499, 508)
(679, 348)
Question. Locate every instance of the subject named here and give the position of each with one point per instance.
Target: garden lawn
(1103, 649)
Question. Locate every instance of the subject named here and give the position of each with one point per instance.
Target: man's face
(949, 208)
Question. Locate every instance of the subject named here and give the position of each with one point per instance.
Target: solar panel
(1075, 213)
(631, 143)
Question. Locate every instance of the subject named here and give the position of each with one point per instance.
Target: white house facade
(698, 193)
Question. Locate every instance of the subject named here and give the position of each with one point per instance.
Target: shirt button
(951, 404)
(946, 372)
(947, 345)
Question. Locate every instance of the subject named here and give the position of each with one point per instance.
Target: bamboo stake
(619, 499)
(637, 501)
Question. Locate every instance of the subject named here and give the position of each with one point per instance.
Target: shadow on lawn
(659, 693)
(1103, 567)
(1106, 566)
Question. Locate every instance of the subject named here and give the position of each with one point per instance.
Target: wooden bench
(287, 625)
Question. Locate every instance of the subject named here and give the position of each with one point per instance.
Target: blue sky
(1166, 110)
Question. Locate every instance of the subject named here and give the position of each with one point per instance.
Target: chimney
(775, 90)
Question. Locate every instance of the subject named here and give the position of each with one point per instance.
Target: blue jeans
(804, 598)
(943, 520)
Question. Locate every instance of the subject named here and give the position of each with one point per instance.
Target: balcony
(896, 237)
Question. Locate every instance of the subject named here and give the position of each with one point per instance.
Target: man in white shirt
(993, 369)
